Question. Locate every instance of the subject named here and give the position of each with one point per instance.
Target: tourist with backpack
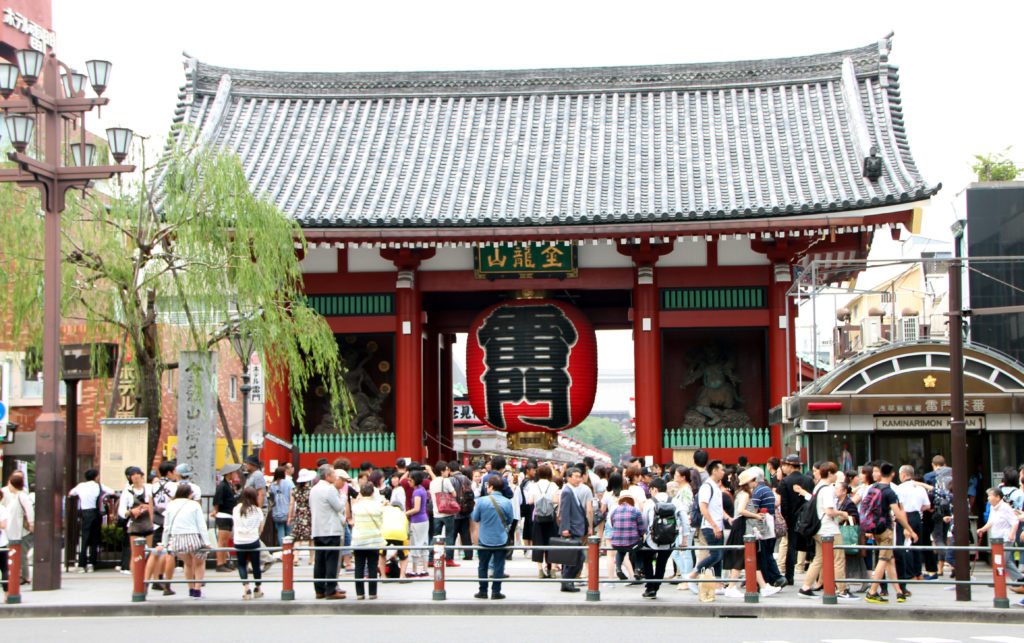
(819, 518)
(878, 509)
(160, 565)
(941, 480)
(542, 500)
(793, 546)
(682, 558)
(463, 484)
(626, 529)
(280, 494)
(662, 519)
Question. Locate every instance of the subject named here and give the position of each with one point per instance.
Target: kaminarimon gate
(673, 200)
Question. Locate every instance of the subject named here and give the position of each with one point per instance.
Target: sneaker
(806, 593)
(1020, 603)
(931, 576)
(480, 595)
(451, 563)
(79, 570)
(222, 569)
(126, 572)
(732, 592)
(90, 569)
(247, 596)
(902, 598)
(650, 594)
(497, 597)
(875, 598)
(770, 590)
(257, 593)
(846, 596)
(621, 575)
(779, 582)
(168, 591)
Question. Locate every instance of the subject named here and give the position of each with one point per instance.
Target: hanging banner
(531, 366)
(197, 416)
(257, 394)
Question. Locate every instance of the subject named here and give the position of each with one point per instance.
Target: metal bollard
(14, 565)
(828, 572)
(999, 574)
(750, 569)
(288, 569)
(593, 568)
(138, 567)
(439, 564)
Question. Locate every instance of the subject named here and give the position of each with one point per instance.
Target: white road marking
(928, 639)
(850, 641)
(999, 639)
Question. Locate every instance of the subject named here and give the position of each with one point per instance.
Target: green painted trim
(717, 298)
(352, 305)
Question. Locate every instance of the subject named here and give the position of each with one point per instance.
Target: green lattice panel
(725, 298)
(352, 305)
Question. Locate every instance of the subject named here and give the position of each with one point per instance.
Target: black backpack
(464, 493)
(695, 515)
(664, 528)
(807, 521)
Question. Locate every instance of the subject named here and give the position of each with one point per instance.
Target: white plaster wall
(368, 260)
(602, 256)
(450, 259)
(737, 252)
(320, 260)
(686, 253)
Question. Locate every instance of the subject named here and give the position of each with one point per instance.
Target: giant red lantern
(531, 366)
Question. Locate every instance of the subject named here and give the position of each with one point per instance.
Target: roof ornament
(873, 166)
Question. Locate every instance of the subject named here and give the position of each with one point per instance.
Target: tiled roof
(563, 146)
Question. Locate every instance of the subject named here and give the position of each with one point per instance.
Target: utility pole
(957, 429)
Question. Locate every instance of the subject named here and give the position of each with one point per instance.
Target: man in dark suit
(572, 523)
(792, 503)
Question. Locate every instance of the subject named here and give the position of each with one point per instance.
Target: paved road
(375, 628)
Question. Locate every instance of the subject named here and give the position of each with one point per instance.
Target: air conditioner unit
(814, 426)
(871, 332)
(908, 329)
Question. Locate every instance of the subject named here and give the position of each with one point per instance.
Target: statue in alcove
(367, 397)
(718, 401)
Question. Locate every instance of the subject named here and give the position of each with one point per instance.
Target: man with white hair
(915, 502)
(327, 514)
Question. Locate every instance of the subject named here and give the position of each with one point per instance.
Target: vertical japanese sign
(257, 399)
(197, 437)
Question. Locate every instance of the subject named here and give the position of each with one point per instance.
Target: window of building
(233, 389)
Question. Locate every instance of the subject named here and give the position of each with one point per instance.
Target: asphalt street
(510, 628)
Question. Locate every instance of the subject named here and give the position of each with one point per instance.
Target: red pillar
(408, 366)
(446, 409)
(432, 395)
(647, 363)
(277, 419)
(778, 330)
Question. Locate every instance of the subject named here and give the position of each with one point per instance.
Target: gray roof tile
(535, 147)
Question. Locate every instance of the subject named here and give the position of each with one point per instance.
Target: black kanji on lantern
(526, 358)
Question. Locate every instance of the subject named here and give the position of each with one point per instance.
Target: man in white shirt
(327, 514)
(824, 496)
(89, 494)
(914, 500)
(712, 523)
(442, 484)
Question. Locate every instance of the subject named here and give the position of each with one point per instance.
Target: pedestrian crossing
(912, 639)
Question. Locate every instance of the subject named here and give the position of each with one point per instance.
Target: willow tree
(189, 239)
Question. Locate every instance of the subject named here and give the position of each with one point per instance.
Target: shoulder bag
(501, 517)
(446, 501)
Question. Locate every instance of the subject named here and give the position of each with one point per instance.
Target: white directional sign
(3, 420)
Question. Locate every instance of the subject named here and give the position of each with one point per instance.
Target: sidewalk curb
(988, 616)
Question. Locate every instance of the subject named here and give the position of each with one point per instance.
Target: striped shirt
(368, 516)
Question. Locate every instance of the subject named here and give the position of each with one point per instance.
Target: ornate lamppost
(55, 93)
(244, 345)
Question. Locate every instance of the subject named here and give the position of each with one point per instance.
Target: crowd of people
(652, 523)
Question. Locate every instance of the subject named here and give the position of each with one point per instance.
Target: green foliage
(193, 241)
(111, 538)
(995, 167)
(603, 434)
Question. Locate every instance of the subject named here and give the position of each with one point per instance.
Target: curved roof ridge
(869, 60)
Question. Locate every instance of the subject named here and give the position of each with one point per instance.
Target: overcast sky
(959, 62)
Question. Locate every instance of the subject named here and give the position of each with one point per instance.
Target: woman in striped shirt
(368, 517)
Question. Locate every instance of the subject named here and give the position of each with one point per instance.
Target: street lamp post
(243, 344)
(44, 94)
